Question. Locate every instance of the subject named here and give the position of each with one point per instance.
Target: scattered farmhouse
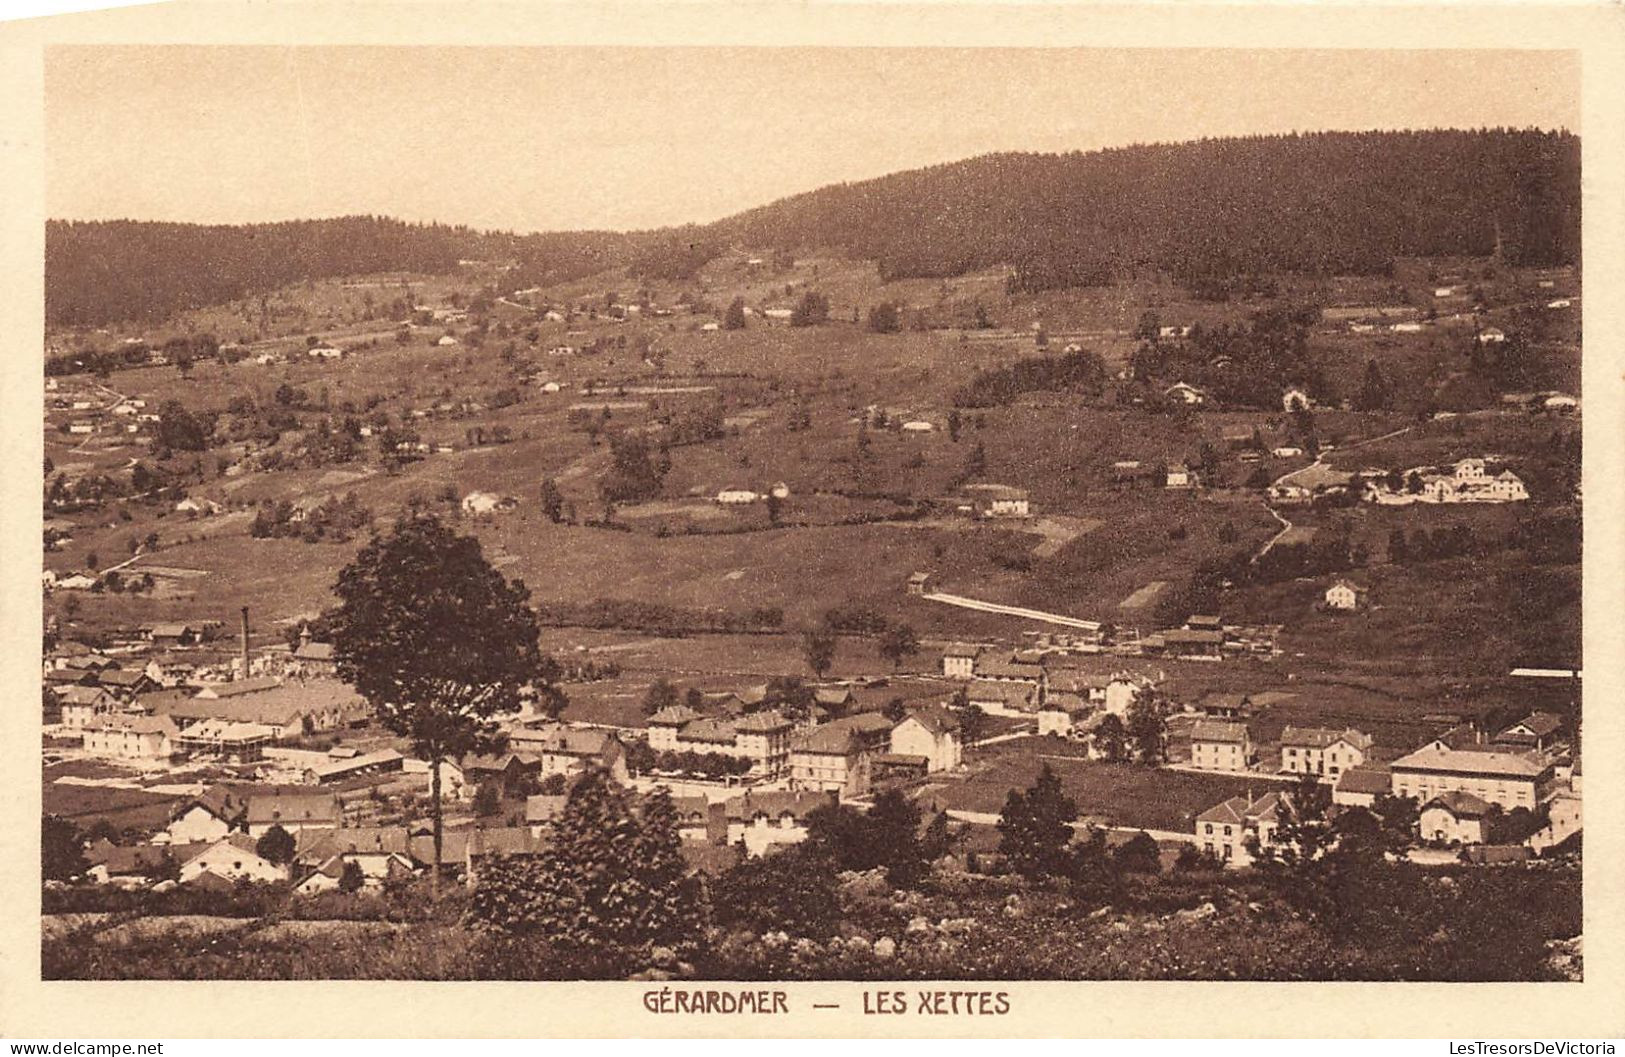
(1346, 595)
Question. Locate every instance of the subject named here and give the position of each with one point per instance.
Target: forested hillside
(1331, 202)
(1209, 212)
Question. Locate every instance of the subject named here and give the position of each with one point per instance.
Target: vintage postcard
(814, 520)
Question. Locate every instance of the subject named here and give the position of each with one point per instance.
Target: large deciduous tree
(439, 643)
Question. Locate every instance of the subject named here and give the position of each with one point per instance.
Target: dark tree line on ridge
(1215, 213)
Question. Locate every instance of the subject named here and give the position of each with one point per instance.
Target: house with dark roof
(84, 706)
(835, 757)
(381, 854)
(762, 821)
(209, 816)
(995, 696)
(1220, 746)
(932, 734)
(762, 737)
(127, 865)
(126, 683)
(959, 661)
(510, 773)
(566, 750)
(1535, 731)
(462, 850)
(1194, 644)
(1455, 818)
(1320, 751)
(1361, 786)
(1223, 830)
(292, 812)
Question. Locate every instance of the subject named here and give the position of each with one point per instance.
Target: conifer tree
(1035, 827)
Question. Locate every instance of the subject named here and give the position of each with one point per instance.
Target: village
(807, 550)
(281, 776)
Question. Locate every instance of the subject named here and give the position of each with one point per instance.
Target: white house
(932, 733)
(918, 425)
(232, 858)
(736, 495)
(1454, 818)
(131, 737)
(1185, 394)
(446, 340)
(1286, 451)
(479, 504)
(211, 816)
(760, 821)
(959, 661)
(1345, 595)
(1491, 336)
(1508, 487)
(1319, 751)
(1223, 830)
(1220, 746)
(1179, 476)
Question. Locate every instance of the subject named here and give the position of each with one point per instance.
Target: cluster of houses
(837, 749)
(218, 839)
(1057, 686)
(87, 414)
(1460, 781)
(1468, 481)
(165, 698)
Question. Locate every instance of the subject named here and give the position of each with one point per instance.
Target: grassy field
(1112, 794)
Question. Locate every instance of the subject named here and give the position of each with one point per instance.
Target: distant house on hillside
(480, 504)
(1345, 595)
(959, 661)
(737, 496)
(1179, 476)
(1185, 393)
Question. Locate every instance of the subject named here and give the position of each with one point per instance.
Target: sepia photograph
(810, 513)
